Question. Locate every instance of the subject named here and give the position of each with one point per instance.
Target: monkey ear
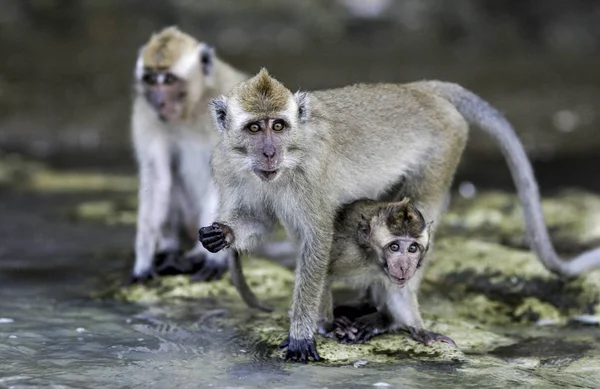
(207, 55)
(429, 227)
(302, 102)
(139, 64)
(218, 108)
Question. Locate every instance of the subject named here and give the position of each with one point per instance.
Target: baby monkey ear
(364, 231)
(218, 108)
(428, 228)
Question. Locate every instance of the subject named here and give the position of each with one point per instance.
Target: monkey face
(399, 237)
(260, 120)
(265, 140)
(165, 92)
(401, 259)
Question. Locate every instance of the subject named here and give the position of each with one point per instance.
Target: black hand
(212, 238)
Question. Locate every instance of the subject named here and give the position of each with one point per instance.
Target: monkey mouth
(400, 281)
(266, 175)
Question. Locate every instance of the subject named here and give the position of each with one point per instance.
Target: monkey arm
(241, 229)
(309, 289)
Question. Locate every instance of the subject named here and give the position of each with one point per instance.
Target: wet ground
(66, 241)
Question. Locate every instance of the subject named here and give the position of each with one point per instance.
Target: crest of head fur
(167, 47)
(262, 94)
(403, 218)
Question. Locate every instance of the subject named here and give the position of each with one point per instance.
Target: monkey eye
(278, 126)
(394, 247)
(170, 79)
(254, 127)
(149, 78)
(413, 248)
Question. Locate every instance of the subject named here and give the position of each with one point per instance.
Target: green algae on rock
(500, 284)
(572, 217)
(481, 288)
(268, 280)
(122, 211)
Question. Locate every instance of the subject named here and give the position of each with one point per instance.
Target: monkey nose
(269, 155)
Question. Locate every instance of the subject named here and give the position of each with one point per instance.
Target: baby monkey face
(401, 258)
(398, 236)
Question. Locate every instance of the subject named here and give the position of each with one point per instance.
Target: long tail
(239, 281)
(480, 113)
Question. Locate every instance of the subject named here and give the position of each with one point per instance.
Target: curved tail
(480, 113)
(239, 281)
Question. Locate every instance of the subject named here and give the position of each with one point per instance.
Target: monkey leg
(310, 287)
(326, 311)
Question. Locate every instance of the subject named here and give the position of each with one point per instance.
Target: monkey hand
(300, 350)
(216, 237)
(428, 337)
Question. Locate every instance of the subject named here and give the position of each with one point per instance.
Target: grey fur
(176, 188)
(357, 142)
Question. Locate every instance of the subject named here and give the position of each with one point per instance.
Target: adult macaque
(175, 79)
(298, 157)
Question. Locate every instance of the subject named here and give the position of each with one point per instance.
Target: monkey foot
(360, 330)
(141, 278)
(300, 350)
(171, 262)
(428, 337)
(357, 333)
(207, 269)
(341, 328)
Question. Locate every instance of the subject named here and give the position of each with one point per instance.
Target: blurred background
(68, 187)
(66, 69)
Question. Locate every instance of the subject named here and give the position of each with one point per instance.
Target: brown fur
(403, 218)
(165, 48)
(263, 95)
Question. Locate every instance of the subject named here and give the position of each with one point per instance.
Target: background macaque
(176, 77)
(298, 157)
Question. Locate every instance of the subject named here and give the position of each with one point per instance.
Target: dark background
(66, 68)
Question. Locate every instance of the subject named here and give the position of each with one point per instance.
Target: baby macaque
(377, 247)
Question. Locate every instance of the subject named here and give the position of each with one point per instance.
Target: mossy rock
(476, 290)
(572, 217)
(120, 211)
(499, 284)
(270, 282)
(15, 169)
